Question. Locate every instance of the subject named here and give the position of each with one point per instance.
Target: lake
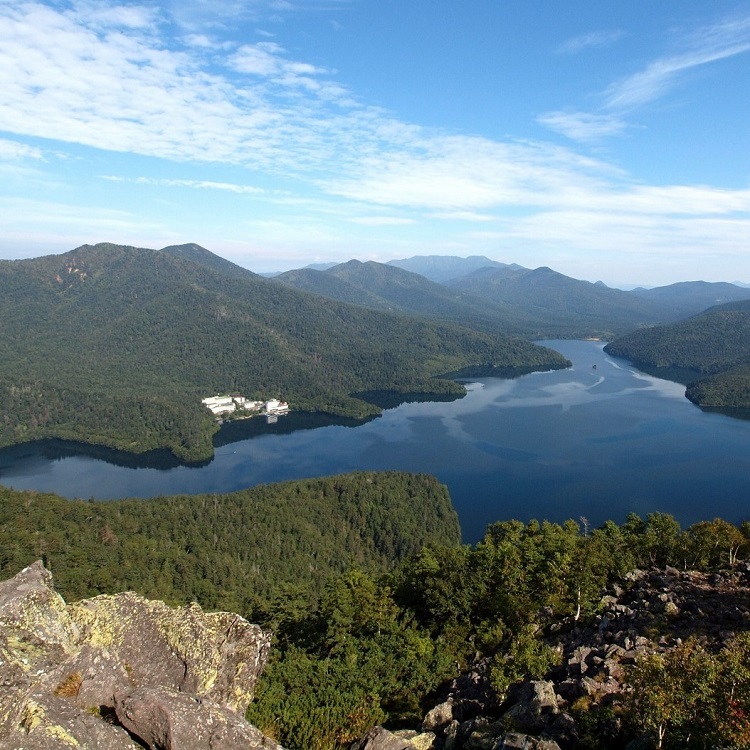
(598, 440)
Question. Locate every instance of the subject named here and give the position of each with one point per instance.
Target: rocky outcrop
(122, 672)
(650, 612)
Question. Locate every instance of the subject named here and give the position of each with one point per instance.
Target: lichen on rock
(67, 667)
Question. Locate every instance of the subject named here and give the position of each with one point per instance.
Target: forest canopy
(715, 345)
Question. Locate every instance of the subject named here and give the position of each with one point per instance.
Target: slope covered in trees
(228, 552)
(560, 305)
(506, 610)
(117, 345)
(715, 344)
(387, 287)
(687, 298)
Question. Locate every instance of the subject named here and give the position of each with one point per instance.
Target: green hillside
(687, 298)
(715, 343)
(328, 285)
(491, 296)
(117, 345)
(559, 305)
(230, 552)
(387, 287)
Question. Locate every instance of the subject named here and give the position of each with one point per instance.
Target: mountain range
(117, 345)
(535, 303)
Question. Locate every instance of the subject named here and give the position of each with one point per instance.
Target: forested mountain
(203, 257)
(386, 287)
(331, 286)
(445, 268)
(488, 295)
(561, 305)
(715, 343)
(117, 345)
(232, 552)
(691, 297)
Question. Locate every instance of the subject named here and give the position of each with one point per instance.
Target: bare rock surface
(122, 672)
(381, 739)
(170, 720)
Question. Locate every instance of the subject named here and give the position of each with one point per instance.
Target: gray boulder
(165, 719)
(379, 738)
(70, 675)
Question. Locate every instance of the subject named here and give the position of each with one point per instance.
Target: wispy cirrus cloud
(15, 151)
(583, 126)
(382, 221)
(725, 39)
(722, 40)
(466, 173)
(193, 184)
(592, 39)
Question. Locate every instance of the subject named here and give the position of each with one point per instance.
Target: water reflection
(596, 441)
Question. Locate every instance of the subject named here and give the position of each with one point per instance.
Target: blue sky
(606, 139)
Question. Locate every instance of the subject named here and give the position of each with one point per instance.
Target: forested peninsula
(231, 551)
(116, 346)
(714, 345)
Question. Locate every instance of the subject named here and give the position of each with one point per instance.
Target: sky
(608, 140)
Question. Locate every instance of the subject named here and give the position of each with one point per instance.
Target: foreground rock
(123, 672)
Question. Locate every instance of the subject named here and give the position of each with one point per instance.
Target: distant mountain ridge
(489, 295)
(683, 297)
(390, 288)
(444, 268)
(561, 305)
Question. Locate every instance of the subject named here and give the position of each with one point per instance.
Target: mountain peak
(197, 254)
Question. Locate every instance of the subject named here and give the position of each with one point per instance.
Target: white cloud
(720, 41)
(472, 216)
(193, 184)
(382, 221)
(62, 77)
(469, 173)
(15, 151)
(583, 126)
(460, 176)
(103, 16)
(261, 59)
(591, 39)
(717, 42)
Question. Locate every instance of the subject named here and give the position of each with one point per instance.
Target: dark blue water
(598, 442)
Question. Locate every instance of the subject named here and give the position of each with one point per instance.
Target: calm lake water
(589, 441)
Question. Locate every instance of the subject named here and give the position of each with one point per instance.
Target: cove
(599, 440)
